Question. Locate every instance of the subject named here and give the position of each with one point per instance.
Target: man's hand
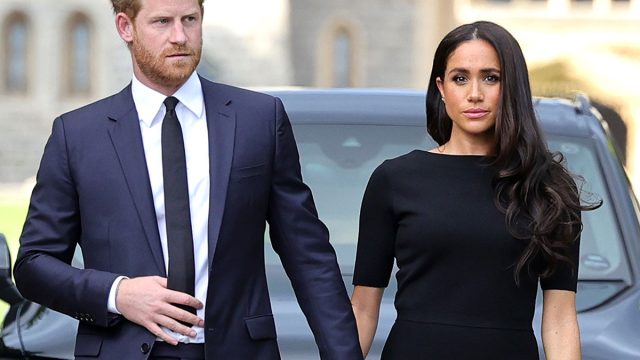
(146, 301)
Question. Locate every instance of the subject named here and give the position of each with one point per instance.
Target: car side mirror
(8, 290)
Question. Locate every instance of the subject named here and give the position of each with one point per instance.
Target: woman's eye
(459, 79)
(492, 78)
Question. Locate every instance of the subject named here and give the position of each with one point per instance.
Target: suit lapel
(221, 123)
(127, 140)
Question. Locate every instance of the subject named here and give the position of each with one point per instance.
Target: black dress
(457, 297)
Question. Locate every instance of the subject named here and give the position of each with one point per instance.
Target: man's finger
(177, 327)
(160, 280)
(176, 297)
(181, 315)
(159, 333)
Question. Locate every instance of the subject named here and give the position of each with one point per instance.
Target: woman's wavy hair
(534, 190)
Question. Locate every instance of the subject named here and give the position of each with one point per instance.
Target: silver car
(342, 136)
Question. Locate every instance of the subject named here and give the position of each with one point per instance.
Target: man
(174, 156)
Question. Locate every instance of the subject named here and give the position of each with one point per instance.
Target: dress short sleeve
(376, 236)
(565, 277)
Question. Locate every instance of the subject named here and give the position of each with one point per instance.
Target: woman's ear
(440, 87)
(124, 25)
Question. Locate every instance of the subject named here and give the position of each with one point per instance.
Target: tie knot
(170, 103)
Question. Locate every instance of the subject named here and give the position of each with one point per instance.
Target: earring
(442, 98)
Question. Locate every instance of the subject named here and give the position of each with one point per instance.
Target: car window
(602, 256)
(337, 161)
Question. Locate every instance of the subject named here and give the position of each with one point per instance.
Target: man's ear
(124, 25)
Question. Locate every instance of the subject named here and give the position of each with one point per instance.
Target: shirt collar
(149, 102)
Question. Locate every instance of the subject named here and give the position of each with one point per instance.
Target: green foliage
(12, 215)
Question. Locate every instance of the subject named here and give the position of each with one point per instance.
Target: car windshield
(337, 161)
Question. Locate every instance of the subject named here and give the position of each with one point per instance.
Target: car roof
(405, 107)
(355, 106)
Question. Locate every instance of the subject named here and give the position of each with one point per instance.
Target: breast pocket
(249, 189)
(248, 171)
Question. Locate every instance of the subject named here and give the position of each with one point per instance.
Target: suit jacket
(93, 190)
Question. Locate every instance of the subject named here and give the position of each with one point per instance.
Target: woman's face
(470, 90)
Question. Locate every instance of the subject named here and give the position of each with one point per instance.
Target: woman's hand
(366, 308)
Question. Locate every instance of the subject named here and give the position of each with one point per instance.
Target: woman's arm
(366, 307)
(560, 332)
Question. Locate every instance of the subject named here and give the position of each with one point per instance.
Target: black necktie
(176, 204)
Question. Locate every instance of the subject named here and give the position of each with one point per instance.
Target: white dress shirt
(193, 120)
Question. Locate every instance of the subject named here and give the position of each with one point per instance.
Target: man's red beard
(160, 69)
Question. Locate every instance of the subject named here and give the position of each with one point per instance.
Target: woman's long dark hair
(538, 196)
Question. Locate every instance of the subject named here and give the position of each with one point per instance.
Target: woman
(475, 223)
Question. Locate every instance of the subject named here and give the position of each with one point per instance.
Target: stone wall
(382, 37)
(25, 121)
(232, 56)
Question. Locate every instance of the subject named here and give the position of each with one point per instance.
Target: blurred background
(61, 54)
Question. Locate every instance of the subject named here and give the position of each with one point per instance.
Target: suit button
(145, 348)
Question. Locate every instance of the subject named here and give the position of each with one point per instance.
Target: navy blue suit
(93, 189)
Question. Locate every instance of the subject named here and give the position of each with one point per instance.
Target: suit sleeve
(302, 242)
(51, 232)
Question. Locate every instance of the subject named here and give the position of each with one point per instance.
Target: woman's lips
(475, 113)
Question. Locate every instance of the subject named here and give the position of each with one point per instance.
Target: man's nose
(178, 35)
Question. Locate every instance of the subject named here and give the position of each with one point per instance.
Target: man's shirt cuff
(111, 303)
